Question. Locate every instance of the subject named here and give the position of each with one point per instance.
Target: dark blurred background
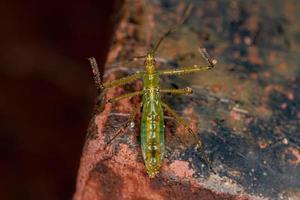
(47, 91)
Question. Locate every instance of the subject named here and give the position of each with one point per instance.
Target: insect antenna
(173, 29)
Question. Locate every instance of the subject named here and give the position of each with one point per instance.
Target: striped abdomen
(152, 134)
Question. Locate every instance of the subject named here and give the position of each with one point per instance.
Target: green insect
(152, 123)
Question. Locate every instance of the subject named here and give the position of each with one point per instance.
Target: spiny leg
(121, 81)
(186, 90)
(124, 96)
(126, 125)
(199, 145)
(124, 80)
(185, 70)
(192, 69)
(132, 115)
(96, 74)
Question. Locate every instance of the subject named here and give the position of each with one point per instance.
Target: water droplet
(132, 125)
(285, 141)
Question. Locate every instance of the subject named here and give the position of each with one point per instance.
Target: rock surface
(246, 111)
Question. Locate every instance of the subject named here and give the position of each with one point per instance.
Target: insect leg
(199, 145)
(96, 74)
(100, 86)
(185, 70)
(192, 69)
(127, 124)
(186, 90)
(124, 80)
(124, 96)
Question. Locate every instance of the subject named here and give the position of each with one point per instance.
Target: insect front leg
(199, 145)
(192, 69)
(100, 86)
(129, 123)
(185, 70)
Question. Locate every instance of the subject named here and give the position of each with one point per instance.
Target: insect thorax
(150, 63)
(151, 87)
(151, 80)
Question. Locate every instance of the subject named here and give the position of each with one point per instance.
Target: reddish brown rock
(245, 110)
(118, 172)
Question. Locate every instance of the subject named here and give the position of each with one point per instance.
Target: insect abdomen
(152, 136)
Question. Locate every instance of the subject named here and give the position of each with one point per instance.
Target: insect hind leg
(125, 126)
(199, 146)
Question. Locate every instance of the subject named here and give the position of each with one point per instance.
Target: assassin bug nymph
(152, 123)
